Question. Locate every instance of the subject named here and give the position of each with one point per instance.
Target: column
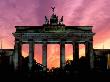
(31, 54)
(75, 52)
(11, 59)
(44, 55)
(20, 55)
(89, 53)
(17, 51)
(62, 54)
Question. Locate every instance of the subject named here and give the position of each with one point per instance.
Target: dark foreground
(58, 75)
(71, 72)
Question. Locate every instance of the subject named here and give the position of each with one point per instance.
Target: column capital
(31, 42)
(75, 43)
(88, 41)
(62, 42)
(44, 42)
(17, 41)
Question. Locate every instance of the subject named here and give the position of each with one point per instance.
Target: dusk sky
(95, 13)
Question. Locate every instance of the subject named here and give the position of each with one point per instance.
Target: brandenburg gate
(53, 32)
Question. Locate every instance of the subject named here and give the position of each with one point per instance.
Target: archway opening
(81, 50)
(53, 55)
(68, 52)
(25, 50)
(38, 53)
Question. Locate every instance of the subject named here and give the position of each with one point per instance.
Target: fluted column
(89, 53)
(75, 51)
(17, 51)
(87, 50)
(31, 54)
(44, 55)
(62, 54)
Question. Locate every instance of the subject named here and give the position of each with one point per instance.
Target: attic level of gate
(45, 29)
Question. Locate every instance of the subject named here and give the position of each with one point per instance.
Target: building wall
(6, 56)
(102, 59)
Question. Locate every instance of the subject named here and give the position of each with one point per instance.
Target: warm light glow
(81, 50)
(53, 55)
(103, 45)
(69, 51)
(25, 50)
(38, 53)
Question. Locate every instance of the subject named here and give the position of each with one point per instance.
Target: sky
(95, 13)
